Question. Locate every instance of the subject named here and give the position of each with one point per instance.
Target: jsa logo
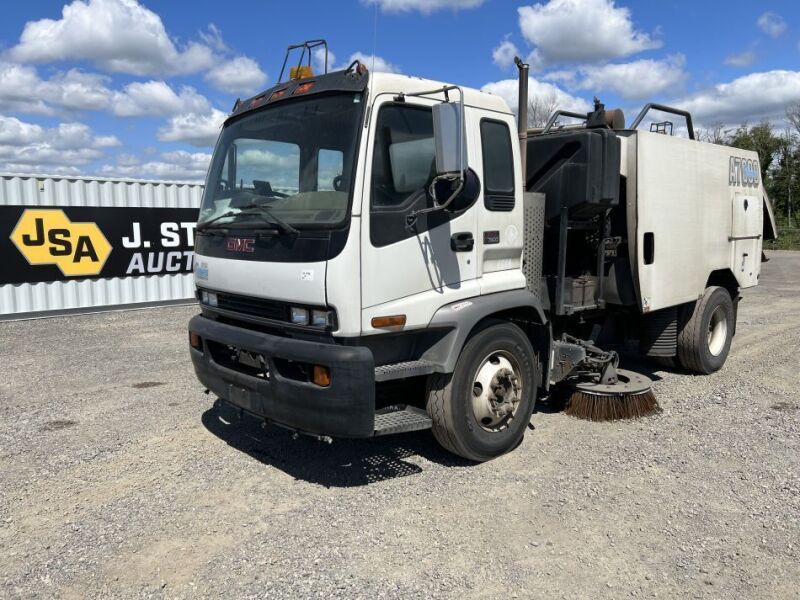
(48, 237)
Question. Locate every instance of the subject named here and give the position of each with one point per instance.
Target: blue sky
(138, 89)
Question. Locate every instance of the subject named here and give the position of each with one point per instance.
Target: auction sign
(91, 242)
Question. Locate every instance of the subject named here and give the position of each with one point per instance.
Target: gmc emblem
(240, 244)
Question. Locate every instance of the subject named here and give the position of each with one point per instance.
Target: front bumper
(345, 408)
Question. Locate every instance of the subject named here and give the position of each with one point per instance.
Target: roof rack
(307, 47)
(667, 109)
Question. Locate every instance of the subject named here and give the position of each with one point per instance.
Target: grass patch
(788, 236)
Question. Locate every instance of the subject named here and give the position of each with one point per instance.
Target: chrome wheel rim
(496, 391)
(717, 331)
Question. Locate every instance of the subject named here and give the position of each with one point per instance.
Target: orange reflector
(278, 94)
(303, 88)
(322, 376)
(391, 321)
(195, 341)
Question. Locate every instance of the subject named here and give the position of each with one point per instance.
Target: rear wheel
(480, 411)
(704, 338)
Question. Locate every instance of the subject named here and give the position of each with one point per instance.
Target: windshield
(294, 159)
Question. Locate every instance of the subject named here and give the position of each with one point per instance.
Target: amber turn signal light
(322, 376)
(195, 341)
(391, 321)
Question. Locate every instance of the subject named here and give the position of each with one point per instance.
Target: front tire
(704, 338)
(481, 410)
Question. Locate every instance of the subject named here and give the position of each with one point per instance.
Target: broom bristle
(609, 407)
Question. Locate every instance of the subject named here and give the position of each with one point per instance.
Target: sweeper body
(378, 253)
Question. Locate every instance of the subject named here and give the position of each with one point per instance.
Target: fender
(461, 318)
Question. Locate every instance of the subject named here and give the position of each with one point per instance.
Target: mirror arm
(411, 219)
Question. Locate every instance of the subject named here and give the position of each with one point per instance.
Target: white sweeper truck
(377, 253)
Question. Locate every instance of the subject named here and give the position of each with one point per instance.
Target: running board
(400, 419)
(411, 368)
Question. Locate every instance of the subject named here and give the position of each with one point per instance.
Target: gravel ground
(116, 480)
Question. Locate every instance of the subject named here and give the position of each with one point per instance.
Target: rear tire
(706, 331)
(481, 410)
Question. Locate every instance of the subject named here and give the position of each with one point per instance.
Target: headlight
(299, 316)
(320, 318)
(209, 298)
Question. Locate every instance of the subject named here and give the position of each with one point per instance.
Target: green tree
(761, 139)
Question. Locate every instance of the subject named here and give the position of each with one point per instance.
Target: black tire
(700, 347)
(449, 401)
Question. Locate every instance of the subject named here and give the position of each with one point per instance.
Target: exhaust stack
(522, 117)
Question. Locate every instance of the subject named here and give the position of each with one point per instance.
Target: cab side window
(498, 166)
(403, 160)
(403, 166)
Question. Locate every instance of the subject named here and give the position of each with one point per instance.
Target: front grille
(257, 307)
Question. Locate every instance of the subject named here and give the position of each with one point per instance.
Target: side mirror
(449, 138)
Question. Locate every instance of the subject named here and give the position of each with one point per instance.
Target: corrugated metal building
(34, 299)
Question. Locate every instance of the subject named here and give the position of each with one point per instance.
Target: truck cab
(330, 275)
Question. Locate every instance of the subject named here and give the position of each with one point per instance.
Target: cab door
(500, 214)
(410, 270)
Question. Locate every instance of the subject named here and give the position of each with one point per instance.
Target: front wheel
(480, 411)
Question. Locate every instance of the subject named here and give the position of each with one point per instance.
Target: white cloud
(26, 168)
(319, 60)
(749, 98)
(507, 89)
(259, 157)
(197, 129)
(238, 75)
(381, 64)
(424, 6)
(213, 38)
(638, 79)
(76, 90)
(374, 63)
(565, 76)
(503, 55)
(14, 132)
(772, 24)
(565, 31)
(30, 147)
(22, 90)
(118, 35)
(156, 98)
(742, 59)
(172, 165)
(122, 36)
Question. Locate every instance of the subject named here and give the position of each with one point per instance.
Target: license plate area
(240, 360)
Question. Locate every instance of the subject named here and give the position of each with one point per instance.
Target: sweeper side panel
(697, 209)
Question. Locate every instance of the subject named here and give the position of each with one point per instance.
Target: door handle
(462, 242)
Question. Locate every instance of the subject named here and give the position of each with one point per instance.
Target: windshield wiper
(207, 224)
(268, 216)
(251, 209)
